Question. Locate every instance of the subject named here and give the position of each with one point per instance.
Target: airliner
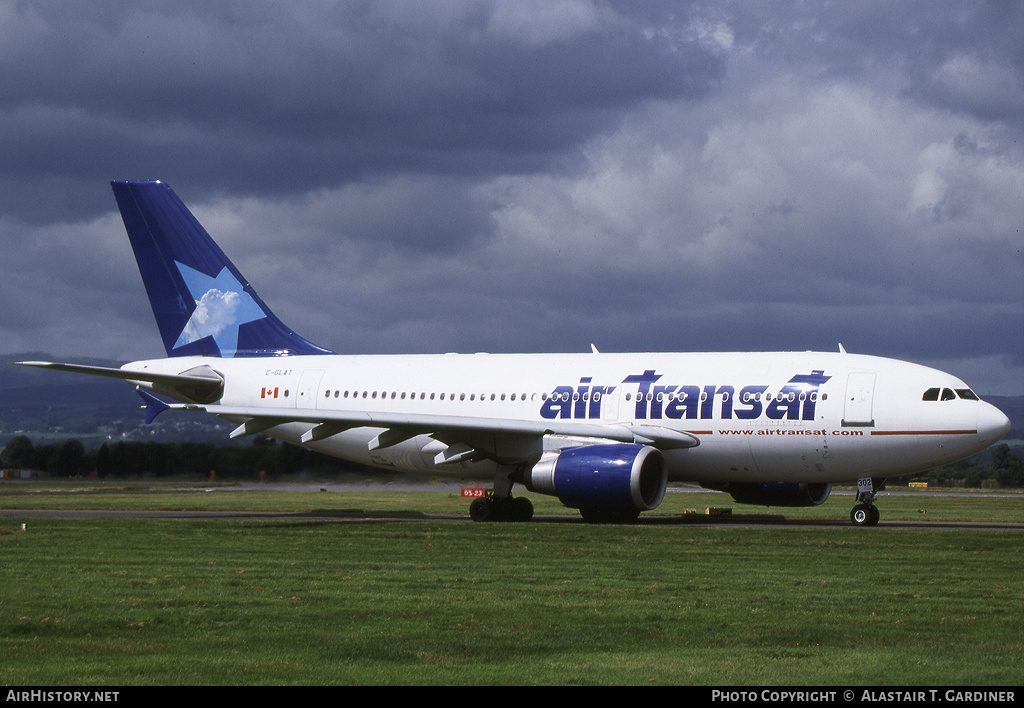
(605, 433)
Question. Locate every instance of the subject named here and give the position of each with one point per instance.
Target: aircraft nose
(992, 424)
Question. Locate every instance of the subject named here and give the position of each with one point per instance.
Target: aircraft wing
(646, 434)
(472, 435)
(460, 438)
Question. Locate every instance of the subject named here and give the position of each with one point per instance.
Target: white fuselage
(778, 417)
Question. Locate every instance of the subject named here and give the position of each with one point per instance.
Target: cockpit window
(947, 394)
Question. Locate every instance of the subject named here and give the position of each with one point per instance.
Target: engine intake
(617, 477)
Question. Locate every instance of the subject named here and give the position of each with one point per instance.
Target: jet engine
(777, 493)
(605, 482)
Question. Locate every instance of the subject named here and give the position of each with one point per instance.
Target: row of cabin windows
(404, 395)
(747, 397)
(565, 396)
(948, 394)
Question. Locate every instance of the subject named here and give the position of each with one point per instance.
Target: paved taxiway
(777, 521)
(341, 515)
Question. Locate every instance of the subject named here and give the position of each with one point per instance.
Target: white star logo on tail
(221, 308)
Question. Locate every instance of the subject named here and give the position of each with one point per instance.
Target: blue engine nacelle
(778, 493)
(618, 479)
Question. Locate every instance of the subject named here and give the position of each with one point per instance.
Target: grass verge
(175, 602)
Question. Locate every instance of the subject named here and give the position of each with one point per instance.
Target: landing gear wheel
(498, 504)
(511, 509)
(520, 509)
(481, 509)
(864, 515)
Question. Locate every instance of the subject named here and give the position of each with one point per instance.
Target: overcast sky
(466, 175)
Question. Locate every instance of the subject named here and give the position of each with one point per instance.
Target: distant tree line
(1003, 469)
(126, 459)
(267, 458)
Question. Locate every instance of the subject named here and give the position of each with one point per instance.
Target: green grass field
(420, 601)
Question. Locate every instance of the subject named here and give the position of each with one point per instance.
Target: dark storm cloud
(272, 98)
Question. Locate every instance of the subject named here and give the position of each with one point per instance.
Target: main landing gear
(866, 513)
(490, 508)
(500, 505)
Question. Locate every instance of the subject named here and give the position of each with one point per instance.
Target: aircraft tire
(481, 510)
(521, 508)
(864, 515)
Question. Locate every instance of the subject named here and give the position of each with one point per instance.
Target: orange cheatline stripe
(924, 432)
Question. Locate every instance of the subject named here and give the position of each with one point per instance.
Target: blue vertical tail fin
(202, 304)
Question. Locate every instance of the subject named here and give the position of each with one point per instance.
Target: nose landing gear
(866, 513)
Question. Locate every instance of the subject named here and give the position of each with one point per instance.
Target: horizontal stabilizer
(154, 406)
(199, 385)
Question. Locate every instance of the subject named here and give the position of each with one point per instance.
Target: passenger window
(931, 394)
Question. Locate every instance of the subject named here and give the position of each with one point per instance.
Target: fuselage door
(860, 393)
(309, 384)
(610, 404)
